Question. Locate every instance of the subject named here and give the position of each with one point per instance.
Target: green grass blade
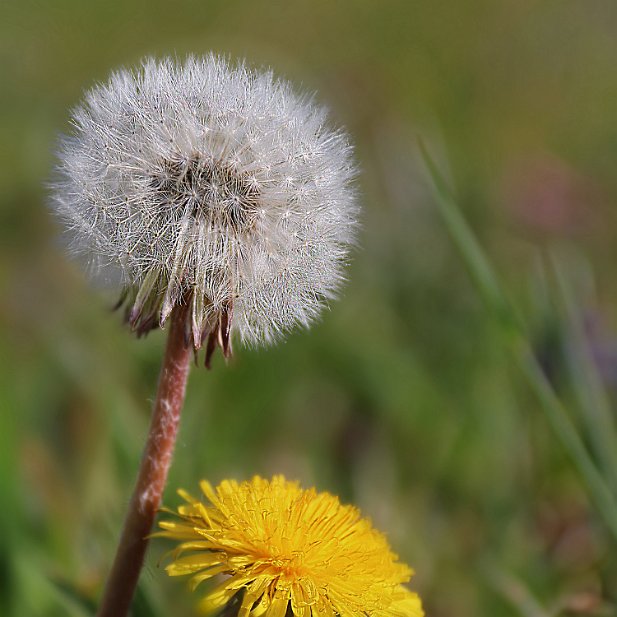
(465, 241)
(592, 397)
(513, 590)
(566, 431)
(499, 307)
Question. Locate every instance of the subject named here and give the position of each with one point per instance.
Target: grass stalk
(517, 341)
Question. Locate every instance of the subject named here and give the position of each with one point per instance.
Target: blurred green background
(404, 399)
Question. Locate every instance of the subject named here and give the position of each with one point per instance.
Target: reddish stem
(155, 463)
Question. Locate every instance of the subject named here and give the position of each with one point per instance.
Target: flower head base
(287, 549)
(212, 185)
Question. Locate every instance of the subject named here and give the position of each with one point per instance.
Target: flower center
(210, 190)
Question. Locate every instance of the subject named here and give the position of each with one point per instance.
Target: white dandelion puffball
(212, 185)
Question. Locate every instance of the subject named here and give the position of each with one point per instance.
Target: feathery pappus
(209, 184)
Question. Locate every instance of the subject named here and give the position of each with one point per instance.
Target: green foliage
(597, 414)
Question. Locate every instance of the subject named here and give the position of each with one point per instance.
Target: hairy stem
(155, 463)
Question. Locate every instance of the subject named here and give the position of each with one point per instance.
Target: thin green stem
(517, 341)
(591, 394)
(569, 437)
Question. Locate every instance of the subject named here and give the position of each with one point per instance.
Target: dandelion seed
(211, 185)
(287, 549)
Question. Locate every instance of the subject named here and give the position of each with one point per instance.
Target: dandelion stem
(155, 463)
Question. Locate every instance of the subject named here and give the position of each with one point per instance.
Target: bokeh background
(404, 399)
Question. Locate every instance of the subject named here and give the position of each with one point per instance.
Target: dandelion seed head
(285, 550)
(212, 184)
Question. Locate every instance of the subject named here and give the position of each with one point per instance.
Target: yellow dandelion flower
(284, 547)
